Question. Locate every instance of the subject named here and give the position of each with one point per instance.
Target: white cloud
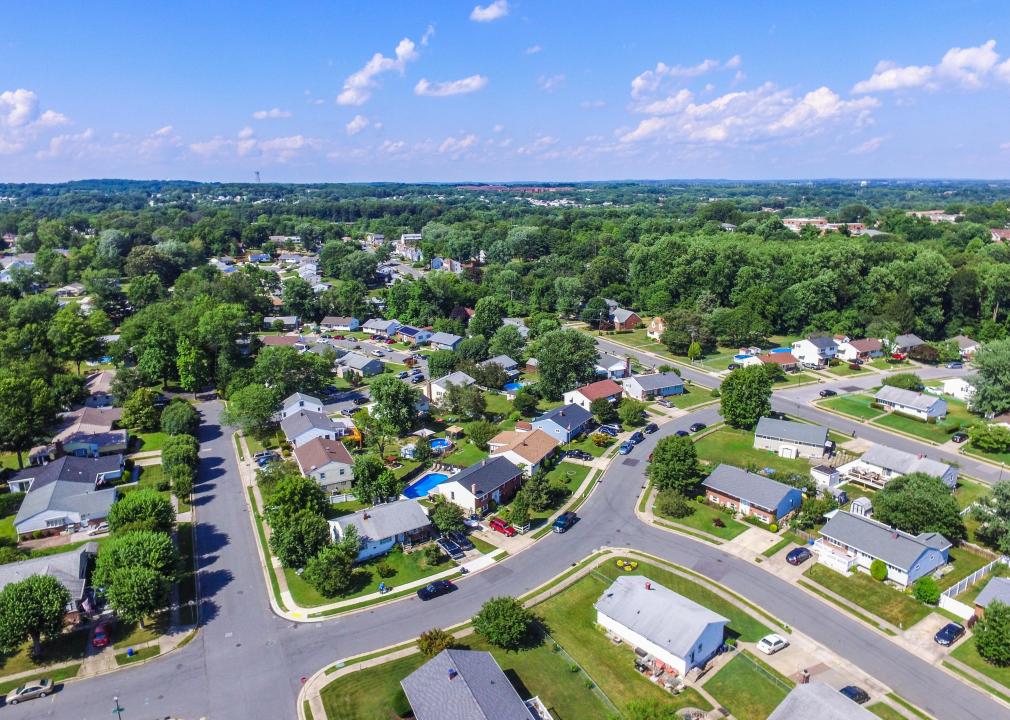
(429, 33)
(532, 50)
(551, 83)
(867, 147)
(70, 145)
(968, 68)
(392, 147)
(592, 104)
(888, 77)
(540, 144)
(454, 145)
(22, 122)
(270, 114)
(650, 80)
(667, 106)
(359, 85)
(1005, 146)
(450, 87)
(494, 11)
(819, 105)
(246, 144)
(357, 124)
(498, 128)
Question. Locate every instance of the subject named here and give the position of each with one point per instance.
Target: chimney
(473, 489)
(452, 673)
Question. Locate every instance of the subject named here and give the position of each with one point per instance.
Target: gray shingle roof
(488, 474)
(660, 615)
(964, 342)
(789, 431)
(70, 568)
(379, 324)
(504, 361)
(756, 489)
(455, 378)
(658, 381)
(382, 521)
(337, 321)
(820, 701)
(567, 416)
(519, 324)
(295, 425)
(906, 398)
(606, 360)
(903, 462)
(622, 314)
(300, 399)
(822, 342)
(908, 340)
(894, 547)
(997, 589)
(357, 361)
(68, 484)
(443, 338)
(463, 685)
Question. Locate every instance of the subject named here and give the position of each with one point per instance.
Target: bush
(926, 590)
(432, 555)
(142, 510)
(432, 642)
(773, 528)
(180, 418)
(385, 570)
(10, 502)
(504, 622)
(673, 504)
(601, 440)
(992, 634)
(878, 570)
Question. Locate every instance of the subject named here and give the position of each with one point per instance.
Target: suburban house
(785, 360)
(996, 590)
(382, 527)
(378, 326)
(68, 493)
(340, 324)
(613, 367)
(11, 263)
(966, 345)
(600, 390)
(375, 239)
(677, 633)
(653, 385)
(87, 431)
(444, 341)
(413, 335)
(881, 464)
(750, 494)
(519, 324)
(999, 235)
(328, 463)
(510, 366)
(826, 477)
(290, 322)
(849, 540)
(438, 388)
(296, 402)
(69, 568)
(305, 425)
(526, 450)
(361, 365)
(821, 701)
(657, 326)
(99, 387)
(790, 439)
(472, 684)
(74, 289)
(816, 350)
(564, 423)
(474, 488)
(864, 349)
(624, 319)
(904, 343)
(907, 402)
(959, 389)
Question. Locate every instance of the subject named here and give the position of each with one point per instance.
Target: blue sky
(504, 90)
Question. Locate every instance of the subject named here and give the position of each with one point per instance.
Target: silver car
(30, 690)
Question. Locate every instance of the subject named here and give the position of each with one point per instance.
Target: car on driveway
(579, 455)
(651, 428)
(827, 393)
(664, 403)
(499, 525)
(855, 693)
(959, 437)
(564, 521)
(949, 634)
(697, 427)
(626, 447)
(360, 400)
(771, 644)
(611, 430)
(100, 638)
(30, 690)
(798, 556)
(435, 589)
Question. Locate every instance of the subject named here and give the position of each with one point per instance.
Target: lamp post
(118, 710)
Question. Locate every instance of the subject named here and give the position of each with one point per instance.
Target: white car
(771, 644)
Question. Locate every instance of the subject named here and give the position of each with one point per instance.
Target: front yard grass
(588, 446)
(957, 418)
(844, 370)
(748, 688)
(736, 447)
(883, 710)
(483, 546)
(889, 364)
(968, 492)
(693, 395)
(7, 531)
(138, 655)
(146, 442)
(967, 653)
(875, 597)
(568, 475)
(703, 519)
(856, 405)
(68, 646)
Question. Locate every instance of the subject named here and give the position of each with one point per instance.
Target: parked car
(697, 427)
(451, 549)
(100, 638)
(682, 433)
(402, 374)
(579, 455)
(651, 428)
(347, 412)
(390, 341)
(435, 589)
(636, 437)
(461, 539)
(30, 690)
(499, 525)
(564, 521)
(771, 644)
(857, 362)
(415, 379)
(338, 337)
(360, 400)
(855, 694)
(611, 430)
(827, 393)
(100, 528)
(664, 403)
(856, 365)
(956, 365)
(949, 634)
(626, 447)
(959, 437)
(798, 556)
(378, 353)
(733, 366)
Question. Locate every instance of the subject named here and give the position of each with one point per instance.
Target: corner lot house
(654, 385)
(750, 494)
(340, 324)
(88, 432)
(444, 341)
(790, 439)
(785, 360)
(657, 326)
(382, 527)
(996, 590)
(865, 349)
(526, 450)
(678, 633)
(613, 367)
(69, 568)
(510, 366)
(66, 494)
(378, 326)
(328, 463)
(601, 390)
(564, 423)
(471, 683)
(361, 365)
(881, 464)
(438, 389)
(296, 402)
(913, 404)
(473, 489)
(849, 540)
(306, 425)
(816, 350)
(817, 701)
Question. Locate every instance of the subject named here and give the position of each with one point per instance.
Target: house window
(56, 522)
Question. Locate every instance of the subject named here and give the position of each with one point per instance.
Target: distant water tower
(257, 176)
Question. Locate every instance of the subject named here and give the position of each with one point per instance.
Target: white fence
(957, 607)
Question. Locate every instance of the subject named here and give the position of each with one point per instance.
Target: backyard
(875, 597)
(748, 688)
(963, 562)
(736, 447)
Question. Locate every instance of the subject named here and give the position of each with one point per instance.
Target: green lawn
(854, 491)
(882, 710)
(787, 539)
(408, 566)
(270, 442)
(964, 563)
(693, 395)
(465, 454)
(887, 364)
(375, 693)
(7, 531)
(138, 655)
(969, 491)
(856, 405)
(589, 446)
(967, 653)
(496, 404)
(875, 597)
(957, 417)
(9, 460)
(68, 646)
(126, 634)
(57, 676)
(146, 442)
(844, 370)
(748, 688)
(568, 475)
(483, 546)
(736, 447)
(703, 519)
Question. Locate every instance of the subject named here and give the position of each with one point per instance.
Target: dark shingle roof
(567, 416)
(488, 474)
(755, 489)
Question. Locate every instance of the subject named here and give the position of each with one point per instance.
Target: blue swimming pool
(440, 444)
(741, 358)
(781, 350)
(512, 386)
(426, 484)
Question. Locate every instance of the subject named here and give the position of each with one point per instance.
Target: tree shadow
(209, 539)
(214, 581)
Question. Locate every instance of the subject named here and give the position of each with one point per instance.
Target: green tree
(447, 516)
(137, 548)
(29, 609)
(990, 438)
(136, 593)
(463, 400)
(144, 291)
(75, 335)
(285, 370)
(595, 313)
(504, 622)
(992, 381)
(905, 381)
(694, 351)
(300, 299)
(192, 365)
(525, 402)
(180, 418)
(632, 412)
(293, 493)
(603, 410)
(296, 537)
(993, 515)
(746, 396)
(672, 504)
(480, 432)
(918, 503)
(395, 403)
(926, 590)
(140, 412)
(489, 375)
(27, 411)
(507, 340)
(519, 509)
(566, 359)
(441, 363)
(674, 465)
(252, 410)
(179, 460)
(331, 570)
(144, 509)
(432, 642)
(372, 481)
(487, 317)
(992, 634)
(126, 382)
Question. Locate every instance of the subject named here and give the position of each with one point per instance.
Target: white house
(328, 463)
(864, 349)
(600, 390)
(438, 388)
(305, 425)
(613, 367)
(966, 345)
(382, 527)
(296, 402)
(653, 385)
(340, 324)
(378, 326)
(815, 350)
(959, 389)
(880, 464)
(677, 632)
(790, 439)
(444, 341)
(917, 405)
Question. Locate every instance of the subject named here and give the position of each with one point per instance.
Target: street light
(118, 710)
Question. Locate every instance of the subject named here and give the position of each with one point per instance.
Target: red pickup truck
(499, 525)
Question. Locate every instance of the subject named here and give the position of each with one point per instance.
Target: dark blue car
(949, 634)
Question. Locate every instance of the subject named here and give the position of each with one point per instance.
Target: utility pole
(118, 710)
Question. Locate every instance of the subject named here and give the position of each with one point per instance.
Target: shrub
(504, 622)
(432, 642)
(773, 527)
(878, 570)
(673, 504)
(180, 418)
(926, 590)
(10, 503)
(432, 554)
(385, 570)
(992, 634)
